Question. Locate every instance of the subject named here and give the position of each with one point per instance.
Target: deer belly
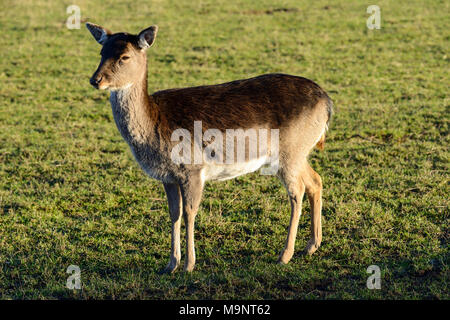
(213, 171)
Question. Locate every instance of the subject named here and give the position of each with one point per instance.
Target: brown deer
(297, 107)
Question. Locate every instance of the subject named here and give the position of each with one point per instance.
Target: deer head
(123, 57)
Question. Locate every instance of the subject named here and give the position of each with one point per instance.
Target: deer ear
(147, 37)
(100, 34)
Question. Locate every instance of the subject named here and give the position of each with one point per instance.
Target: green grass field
(71, 193)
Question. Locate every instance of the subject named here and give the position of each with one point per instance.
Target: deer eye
(124, 58)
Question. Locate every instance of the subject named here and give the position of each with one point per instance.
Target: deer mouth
(102, 86)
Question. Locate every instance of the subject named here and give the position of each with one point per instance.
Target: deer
(295, 106)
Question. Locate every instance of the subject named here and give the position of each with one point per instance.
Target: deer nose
(96, 80)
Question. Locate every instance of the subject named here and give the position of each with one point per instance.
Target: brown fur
(239, 103)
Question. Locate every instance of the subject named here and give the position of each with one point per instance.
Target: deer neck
(133, 112)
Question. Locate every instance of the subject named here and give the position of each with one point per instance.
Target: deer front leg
(191, 193)
(175, 210)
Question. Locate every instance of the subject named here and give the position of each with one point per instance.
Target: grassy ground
(70, 192)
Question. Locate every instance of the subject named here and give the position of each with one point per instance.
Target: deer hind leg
(313, 184)
(175, 210)
(296, 190)
(191, 193)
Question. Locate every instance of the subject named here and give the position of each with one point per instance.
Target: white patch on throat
(125, 87)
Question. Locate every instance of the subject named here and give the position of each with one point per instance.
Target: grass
(70, 192)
